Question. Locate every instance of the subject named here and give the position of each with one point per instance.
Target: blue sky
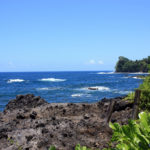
(67, 35)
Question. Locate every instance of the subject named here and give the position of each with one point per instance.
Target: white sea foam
(96, 88)
(81, 95)
(136, 78)
(77, 95)
(101, 88)
(15, 80)
(132, 77)
(47, 88)
(139, 73)
(105, 72)
(52, 79)
(123, 73)
(121, 92)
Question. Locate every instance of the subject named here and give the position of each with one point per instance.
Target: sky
(72, 35)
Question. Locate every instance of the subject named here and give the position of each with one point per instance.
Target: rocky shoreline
(30, 123)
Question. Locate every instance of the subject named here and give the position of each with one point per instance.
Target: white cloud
(100, 62)
(92, 61)
(11, 64)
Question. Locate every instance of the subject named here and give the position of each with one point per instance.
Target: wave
(136, 78)
(47, 88)
(105, 72)
(96, 88)
(123, 73)
(129, 77)
(123, 92)
(15, 80)
(52, 80)
(139, 73)
(80, 95)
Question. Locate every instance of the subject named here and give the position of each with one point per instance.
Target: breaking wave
(96, 88)
(15, 80)
(52, 80)
(105, 72)
(47, 89)
(80, 95)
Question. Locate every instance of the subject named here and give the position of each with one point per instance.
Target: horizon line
(57, 71)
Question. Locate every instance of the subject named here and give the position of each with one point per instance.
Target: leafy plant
(145, 94)
(52, 148)
(130, 96)
(133, 136)
(78, 147)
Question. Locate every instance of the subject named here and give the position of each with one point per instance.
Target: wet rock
(92, 88)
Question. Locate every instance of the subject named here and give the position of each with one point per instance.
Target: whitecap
(52, 79)
(138, 73)
(96, 88)
(122, 92)
(100, 88)
(136, 78)
(76, 95)
(15, 80)
(47, 88)
(105, 72)
(132, 77)
(80, 95)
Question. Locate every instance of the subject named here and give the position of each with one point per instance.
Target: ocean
(64, 87)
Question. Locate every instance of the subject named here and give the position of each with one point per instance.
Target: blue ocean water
(63, 87)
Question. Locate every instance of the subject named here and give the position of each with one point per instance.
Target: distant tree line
(126, 65)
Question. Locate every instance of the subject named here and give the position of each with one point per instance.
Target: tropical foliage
(145, 94)
(78, 147)
(126, 65)
(133, 136)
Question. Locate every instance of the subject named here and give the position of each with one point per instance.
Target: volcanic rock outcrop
(30, 123)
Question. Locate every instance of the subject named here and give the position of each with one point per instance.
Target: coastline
(35, 124)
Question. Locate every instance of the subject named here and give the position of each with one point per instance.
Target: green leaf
(52, 148)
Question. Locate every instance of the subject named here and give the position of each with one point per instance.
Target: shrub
(145, 94)
(133, 136)
(78, 147)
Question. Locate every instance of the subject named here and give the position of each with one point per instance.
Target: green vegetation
(78, 147)
(145, 94)
(13, 142)
(130, 97)
(52, 148)
(133, 136)
(126, 65)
